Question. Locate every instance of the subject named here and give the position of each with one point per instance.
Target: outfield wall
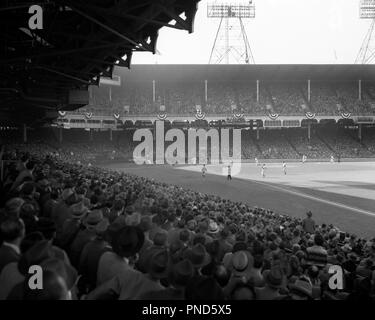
(105, 162)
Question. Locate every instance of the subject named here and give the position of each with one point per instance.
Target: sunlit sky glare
(283, 32)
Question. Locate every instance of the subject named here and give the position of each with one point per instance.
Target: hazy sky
(283, 31)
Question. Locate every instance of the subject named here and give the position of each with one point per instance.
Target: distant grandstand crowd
(282, 144)
(102, 235)
(228, 97)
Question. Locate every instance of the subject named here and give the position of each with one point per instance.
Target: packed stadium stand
(222, 90)
(105, 234)
(122, 233)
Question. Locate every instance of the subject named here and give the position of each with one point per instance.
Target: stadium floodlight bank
(226, 10)
(367, 9)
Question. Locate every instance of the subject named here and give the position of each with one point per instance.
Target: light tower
(231, 43)
(367, 51)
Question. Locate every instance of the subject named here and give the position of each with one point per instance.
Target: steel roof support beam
(110, 29)
(63, 74)
(58, 53)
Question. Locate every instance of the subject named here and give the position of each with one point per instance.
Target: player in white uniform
(284, 167)
(256, 162)
(229, 176)
(204, 170)
(262, 171)
(332, 159)
(304, 158)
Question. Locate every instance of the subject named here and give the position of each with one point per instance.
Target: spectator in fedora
(204, 288)
(198, 256)
(13, 275)
(84, 235)
(12, 231)
(131, 284)
(91, 253)
(59, 280)
(71, 225)
(179, 276)
(126, 243)
(116, 210)
(273, 282)
(61, 211)
(301, 289)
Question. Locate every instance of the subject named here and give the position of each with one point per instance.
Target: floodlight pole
(366, 52)
(223, 48)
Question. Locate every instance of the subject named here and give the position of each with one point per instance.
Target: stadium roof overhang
(46, 70)
(244, 73)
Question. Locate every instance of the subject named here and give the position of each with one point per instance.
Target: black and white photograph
(207, 151)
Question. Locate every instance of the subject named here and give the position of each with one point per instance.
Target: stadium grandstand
(102, 191)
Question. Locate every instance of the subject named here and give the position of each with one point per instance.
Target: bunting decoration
(62, 113)
(310, 115)
(346, 115)
(238, 115)
(273, 116)
(200, 115)
(162, 116)
(88, 115)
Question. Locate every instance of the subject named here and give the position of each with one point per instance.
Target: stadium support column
(60, 134)
(257, 90)
(308, 90)
(309, 131)
(205, 91)
(359, 90)
(360, 132)
(257, 133)
(153, 90)
(110, 134)
(24, 133)
(91, 134)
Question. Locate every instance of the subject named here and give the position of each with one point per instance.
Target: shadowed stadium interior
(111, 216)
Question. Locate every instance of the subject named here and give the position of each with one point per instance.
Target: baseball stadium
(131, 181)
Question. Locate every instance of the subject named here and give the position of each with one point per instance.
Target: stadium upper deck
(231, 72)
(250, 89)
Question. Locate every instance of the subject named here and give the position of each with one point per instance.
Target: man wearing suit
(12, 231)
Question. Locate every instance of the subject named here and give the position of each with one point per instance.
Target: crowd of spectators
(100, 234)
(228, 97)
(292, 143)
(345, 144)
(274, 145)
(288, 98)
(314, 148)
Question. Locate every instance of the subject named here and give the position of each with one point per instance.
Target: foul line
(304, 195)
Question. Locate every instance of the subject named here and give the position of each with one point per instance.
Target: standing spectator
(308, 223)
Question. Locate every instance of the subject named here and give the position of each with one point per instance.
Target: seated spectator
(12, 231)
(274, 279)
(126, 243)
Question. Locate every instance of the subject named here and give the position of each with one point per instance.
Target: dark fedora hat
(274, 277)
(158, 264)
(127, 241)
(39, 252)
(198, 256)
(181, 273)
(204, 288)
